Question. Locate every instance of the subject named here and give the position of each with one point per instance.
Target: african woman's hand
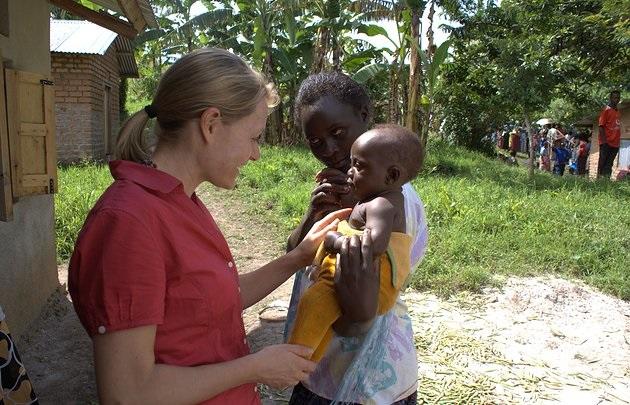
(357, 279)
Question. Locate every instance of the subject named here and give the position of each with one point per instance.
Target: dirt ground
(535, 340)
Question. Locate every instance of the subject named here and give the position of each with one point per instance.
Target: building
(623, 157)
(87, 77)
(28, 178)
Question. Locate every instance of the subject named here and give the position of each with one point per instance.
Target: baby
(383, 159)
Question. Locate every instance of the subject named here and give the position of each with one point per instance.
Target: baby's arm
(379, 219)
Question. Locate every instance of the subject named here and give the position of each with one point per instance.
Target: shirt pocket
(186, 310)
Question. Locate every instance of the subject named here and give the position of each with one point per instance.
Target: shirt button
(255, 389)
(230, 264)
(101, 329)
(244, 341)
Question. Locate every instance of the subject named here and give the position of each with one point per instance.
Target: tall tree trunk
(393, 107)
(320, 50)
(275, 119)
(411, 121)
(336, 52)
(427, 110)
(530, 136)
(430, 36)
(293, 134)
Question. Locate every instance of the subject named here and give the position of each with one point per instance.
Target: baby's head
(383, 159)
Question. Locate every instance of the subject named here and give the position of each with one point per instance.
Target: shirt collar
(143, 175)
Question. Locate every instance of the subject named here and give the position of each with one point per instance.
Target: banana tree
(260, 22)
(377, 11)
(416, 8)
(432, 63)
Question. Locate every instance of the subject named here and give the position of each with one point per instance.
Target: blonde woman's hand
(282, 366)
(308, 247)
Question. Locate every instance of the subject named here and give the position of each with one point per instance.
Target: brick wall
(80, 83)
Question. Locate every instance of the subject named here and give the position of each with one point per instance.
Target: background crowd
(566, 149)
(557, 149)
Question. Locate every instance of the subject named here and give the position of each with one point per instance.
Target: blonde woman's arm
(126, 372)
(258, 284)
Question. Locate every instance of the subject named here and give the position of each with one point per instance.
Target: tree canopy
(513, 61)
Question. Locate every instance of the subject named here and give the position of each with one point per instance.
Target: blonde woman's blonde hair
(208, 77)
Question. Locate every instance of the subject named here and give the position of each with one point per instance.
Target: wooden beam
(133, 13)
(6, 194)
(110, 4)
(104, 20)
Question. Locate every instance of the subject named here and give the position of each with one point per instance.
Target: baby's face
(367, 176)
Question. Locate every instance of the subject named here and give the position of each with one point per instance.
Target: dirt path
(537, 340)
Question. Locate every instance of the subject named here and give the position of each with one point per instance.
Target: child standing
(561, 156)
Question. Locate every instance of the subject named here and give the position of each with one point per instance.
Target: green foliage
(80, 187)
(528, 58)
(279, 183)
(485, 219)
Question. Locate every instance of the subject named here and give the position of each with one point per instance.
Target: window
(28, 158)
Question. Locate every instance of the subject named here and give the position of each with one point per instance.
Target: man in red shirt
(609, 135)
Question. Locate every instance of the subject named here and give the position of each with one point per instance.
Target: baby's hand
(332, 242)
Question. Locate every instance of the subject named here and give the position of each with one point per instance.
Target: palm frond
(220, 16)
(368, 72)
(149, 35)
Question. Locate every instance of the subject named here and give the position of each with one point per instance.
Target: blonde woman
(152, 279)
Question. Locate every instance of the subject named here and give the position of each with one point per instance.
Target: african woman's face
(331, 127)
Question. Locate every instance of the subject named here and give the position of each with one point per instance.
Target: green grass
(485, 218)
(80, 187)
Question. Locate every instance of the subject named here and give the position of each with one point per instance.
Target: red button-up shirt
(150, 255)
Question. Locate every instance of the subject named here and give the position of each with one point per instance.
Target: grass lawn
(80, 187)
(485, 219)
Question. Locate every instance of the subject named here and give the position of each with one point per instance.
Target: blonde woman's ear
(210, 118)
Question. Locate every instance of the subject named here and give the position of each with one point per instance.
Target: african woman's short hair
(335, 84)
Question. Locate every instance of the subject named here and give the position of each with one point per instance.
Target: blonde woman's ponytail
(208, 77)
(131, 144)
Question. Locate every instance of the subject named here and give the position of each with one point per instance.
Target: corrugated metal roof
(126, 58)
(75, 36)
